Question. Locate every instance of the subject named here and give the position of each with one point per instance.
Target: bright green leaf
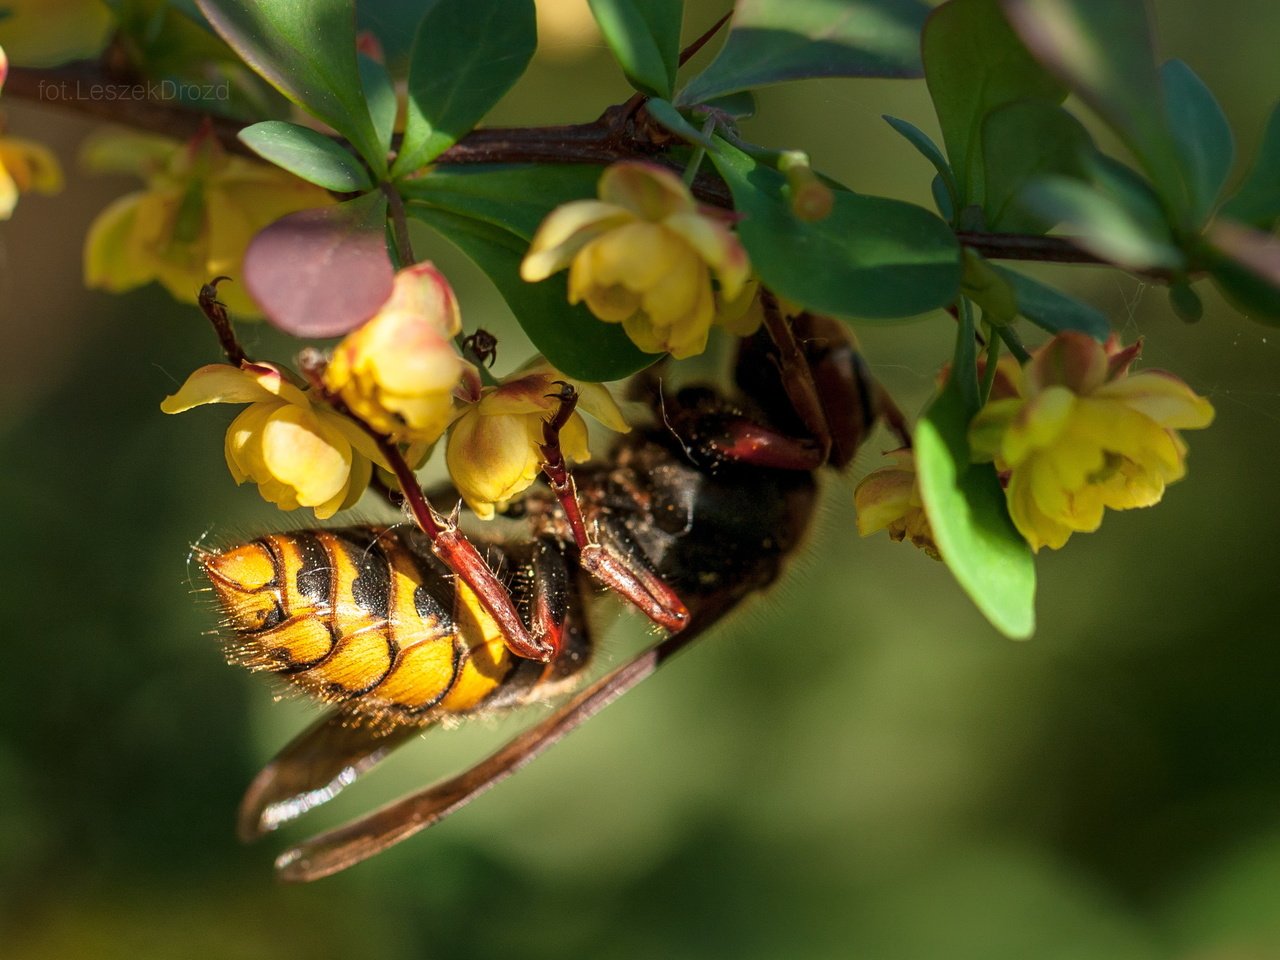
(1205, 143)
(1099, 224)
(974, 63)
(1023, 140)
(670, 119)
(306, 154)
(467, 55)
(1257, 201)
(573, 340)
(307, 51)
(872, 258)
(966, 505)
(515, 198)
(644, 36)
(381, 97)
(1103, 50)
(922, 142)
(772, 41)
(1053, 310)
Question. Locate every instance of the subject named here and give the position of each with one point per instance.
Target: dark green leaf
(1103, 50)
(966, 506)
(306, 154)
(1053, 310)
(771, 41)
(321, 273)
(1257, 201)
(922, 142)
(942, 198)
(307, 51)
(467, 55)
(1023, 140)
(515, 198)
(1100, 224)
(1205, 143)
(872, 258)
(573, 340)
(740, 105)
(973, 63)
(644, 36)
(1246, 265)
(381, 96)
(671, 120)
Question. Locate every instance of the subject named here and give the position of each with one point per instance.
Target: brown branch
(80, 87)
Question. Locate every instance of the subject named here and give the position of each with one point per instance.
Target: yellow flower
(194, 220)
(24, 165)
(299, 454)
(1082, 436)
(642, 255)
(889, 499)
(494, 446)
(45, 33)
(398, 371)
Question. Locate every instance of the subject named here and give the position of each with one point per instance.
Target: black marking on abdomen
(315, 574)
(371, 589)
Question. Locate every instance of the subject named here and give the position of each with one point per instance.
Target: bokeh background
(855, 766)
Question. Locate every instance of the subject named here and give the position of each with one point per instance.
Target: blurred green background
(855, 766)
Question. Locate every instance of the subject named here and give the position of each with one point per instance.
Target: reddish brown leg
(637, 584)
(797, 377)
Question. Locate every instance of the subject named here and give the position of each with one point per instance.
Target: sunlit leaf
(1206, 146)
(307, 51)
(1099, 224)
(320, 273)
(1257, 201)
(644, 36)
(569, 336)
(872, 258)
(467, 54)
(381, 96)
(306, 154)
(966, 506)
(771, 41)
(973, 63)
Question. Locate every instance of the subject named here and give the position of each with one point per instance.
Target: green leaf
(974, 63)
(307, 51)
(1052, 310)
(1245, 263)
(772, 41)
(1206, 146)
(1100, 224)
(966, 505)
(1023, 140)
(740, 105)
(644, 36)
(307, 154)
(573, 340)
(988, 289)
(515, 198)
(922, 142)
(467, 55)
(670, 119)
(1103, 50)
(1186, 302)
(381, 97)
(1257, 201)
(872, 258)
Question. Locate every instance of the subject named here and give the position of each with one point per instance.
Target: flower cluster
(642, 255)
(194, 219)
(24, 165)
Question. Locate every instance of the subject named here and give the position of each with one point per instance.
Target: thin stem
(399, 224)
(989, 374)
(689, 52)
(1014, 343)
(699, 153)
(216, 311)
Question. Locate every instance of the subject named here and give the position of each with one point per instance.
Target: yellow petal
(490, 459)
(882, 497)
(595, 399)
(31, 165)
(679, 293)
(650, 192)
(1036, 528)
(1038, 424)
(217, 383)
(300, 452)
(1162, 397)
(565, 231)
(718, 246)
(110, 260)
(636, 255)
(8, 195)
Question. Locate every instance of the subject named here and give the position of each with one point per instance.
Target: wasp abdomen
(362, 615)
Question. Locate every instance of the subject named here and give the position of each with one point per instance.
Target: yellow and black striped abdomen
(364, 616)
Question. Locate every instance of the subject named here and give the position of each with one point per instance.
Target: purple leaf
(323, 272)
